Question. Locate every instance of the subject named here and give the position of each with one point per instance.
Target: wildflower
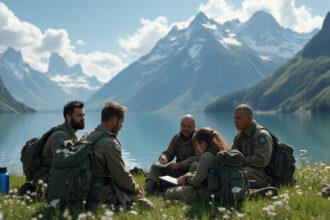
(221, 209)
(225, 216)
(240, 215)
(40, 182)
(1, 216)
(66, 213)
(54, 203)
(108, 213)
(82, 216)
(133, 212)
(40, 216)
(269, 193)
(236, 189)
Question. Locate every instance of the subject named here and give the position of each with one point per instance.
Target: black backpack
(226, 180)
(281, 167)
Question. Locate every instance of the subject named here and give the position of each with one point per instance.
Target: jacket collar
(250, 131)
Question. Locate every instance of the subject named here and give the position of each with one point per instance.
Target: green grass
(302, 201)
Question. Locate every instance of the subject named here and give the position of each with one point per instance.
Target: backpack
(281, 167)
(226, 180)
(71, 173)
(31, 154)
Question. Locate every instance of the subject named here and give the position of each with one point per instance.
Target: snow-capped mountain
(186, 69)
(302, 84)
(72, 79)
(29, 86)
(263, 34)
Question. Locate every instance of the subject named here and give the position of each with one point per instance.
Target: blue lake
(145, 135)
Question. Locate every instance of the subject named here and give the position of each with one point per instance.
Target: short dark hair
(70, 106)
(246, 109)
(112, 109)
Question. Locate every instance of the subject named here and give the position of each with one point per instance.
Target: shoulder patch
(262, 140)
(59, 140)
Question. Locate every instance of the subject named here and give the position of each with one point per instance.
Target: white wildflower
(221, 209)
(236, 189)
(54, 202)
(133, 212)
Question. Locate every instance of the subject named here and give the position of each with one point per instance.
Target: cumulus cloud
(286, 12)
(36, 47)
(146, 36)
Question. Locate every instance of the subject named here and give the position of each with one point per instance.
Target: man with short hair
(74, 119)
(181, 147)
(112, 183)
(256, 145)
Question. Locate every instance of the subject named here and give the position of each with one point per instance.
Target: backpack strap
(44, 138)
(100, 137)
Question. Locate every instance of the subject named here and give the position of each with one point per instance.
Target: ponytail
(211, 137)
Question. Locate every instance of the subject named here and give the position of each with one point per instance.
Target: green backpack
(226, 180)
(31, 154)
(71, 173)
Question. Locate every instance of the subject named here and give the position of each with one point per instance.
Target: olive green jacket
(55, 139)
(183, 149)
(108, 161)
(256, 145)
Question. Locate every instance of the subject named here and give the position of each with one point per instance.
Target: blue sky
(116, 32)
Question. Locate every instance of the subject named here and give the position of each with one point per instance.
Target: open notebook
(169, 179)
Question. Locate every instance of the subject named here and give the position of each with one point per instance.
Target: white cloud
(36, 46)
(81, 42)
(146, 36)
(286, 12)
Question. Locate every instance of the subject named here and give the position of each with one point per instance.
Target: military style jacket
(55, 139)
(256, 145)
(183, 149)
(108, 162)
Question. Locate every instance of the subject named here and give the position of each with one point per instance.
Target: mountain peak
(263, 19)
(200, 18)
(319, 44)
(12, 55)
(326, 23)
(57, 64)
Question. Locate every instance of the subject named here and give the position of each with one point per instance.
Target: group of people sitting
(195, 152)
(194, 149)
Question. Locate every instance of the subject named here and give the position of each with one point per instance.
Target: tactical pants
(187, 193)
(105, 194)
(257, 178)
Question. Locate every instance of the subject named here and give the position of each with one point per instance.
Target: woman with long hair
(194, 185)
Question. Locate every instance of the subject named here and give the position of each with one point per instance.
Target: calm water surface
(145, 135)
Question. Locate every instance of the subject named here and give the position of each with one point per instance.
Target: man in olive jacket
(74, 116)
(112, 183)
(182, 148)
(256, 145)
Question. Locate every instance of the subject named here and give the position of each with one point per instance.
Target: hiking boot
(151, 187)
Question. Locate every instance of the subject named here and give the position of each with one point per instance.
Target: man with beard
(74, 117)
(113, 185)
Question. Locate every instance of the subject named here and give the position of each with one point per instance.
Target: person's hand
(163, 159)
(173, 166)
(181, 180)
(140, 191)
